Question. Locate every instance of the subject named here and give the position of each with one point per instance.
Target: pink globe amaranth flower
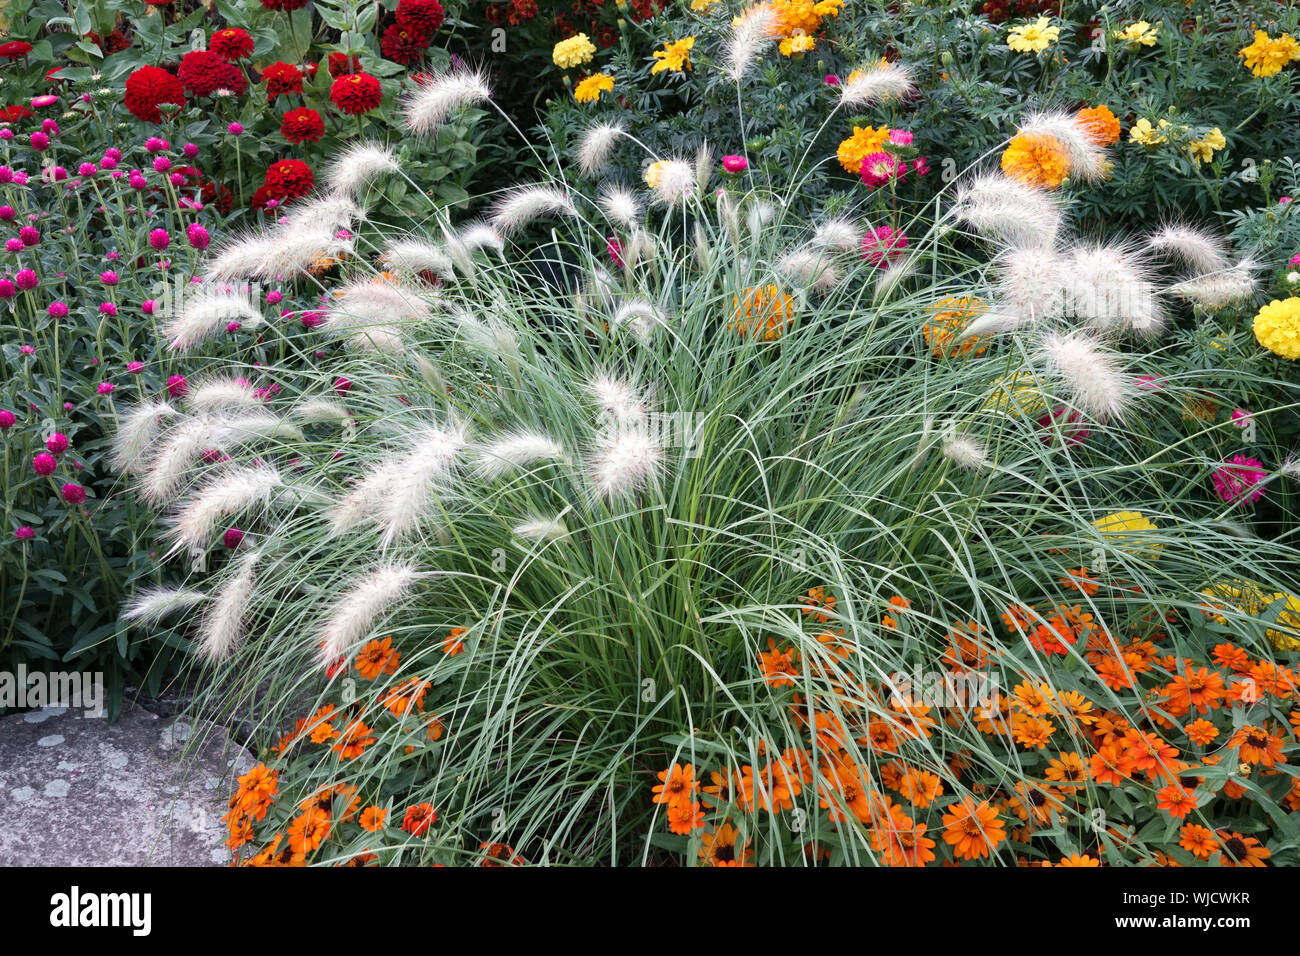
(108, 164)
(1295, 259)
(107, 308)
(57, 443)
(1283, 200)
(156, 145)
(7, 289)
(177, 387)
(161, 164)
(735, 164)
(342, 385)
(878, 169)
(40, 142)
(109, 277)
(105, 388)
(6, 133)
(113, 153)
(234, 129)
(232, 537)
(67, 407)
(114, 255)
(30, 235)
(882, 246)
(148, 306)
(44, 464)
(1067, 420)
(160, 239)
(197, 236)
(1235, 482)
(6, 174)
(27, 349)
(8, 213)
(14, 244)
(50, 127)
(831, 80)
(1240, 417)
(135, 368)
(20, 177)
(86, 169)
(6, 419)
(232, 326)
(614, 249)
(24, 533)
(137, 181)
(274, 297)
(177, 179)
(44, 100)
(190, 150)
(58, 174)
(310, 320)
(58, 310)
(73, 493)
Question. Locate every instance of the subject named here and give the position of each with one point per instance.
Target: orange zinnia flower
(1110, 765)
(718, 848)
(308, 831)
(1075, 859)
(678, 785)
(778, 666)
(1198, 840)
(1241, 850)
(378, 657)
(419, 818)
(1201, 732)
(684, 817)
(972, 829)
(1067, 768)
(452, 644)
(1177, 800)
(353, 741)
(1201, 688)
(372, 819)
(920, 787)
(1257, 746)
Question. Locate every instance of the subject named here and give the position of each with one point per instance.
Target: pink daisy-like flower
(900, 137)
(735, 164)
(882, 246)
(1235, 482)
(878, 169)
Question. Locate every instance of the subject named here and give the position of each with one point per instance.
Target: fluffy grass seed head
(878, 83)
(433, 102)
(595, 145)
(522, 204)
(372, 594)
(359, 165)
(1090, 373)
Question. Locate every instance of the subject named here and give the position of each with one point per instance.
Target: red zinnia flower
(204, 72)
(419, 818)
(12, 114)
(281, 78)
(341, 64)
(403, 45)
(356, 93)
(300, 124)
(420, 17)
(149, 86)
(287, 180)
(14, 49)
(231, 43)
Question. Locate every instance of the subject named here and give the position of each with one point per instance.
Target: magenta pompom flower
(735, 164)
(615, 250)
(135, 368)
(6, 419)
(878, 169)
(342, 385)
(57, 443)
(160, 239)
(105, 388)
(882, 246)
(1235, 482)
(232, 537)
(198, 236)
(26, 279)
(177, 387)
(24, 533)
(1068, 421)
(109, 277)
(44, 464)
(73, 493)
(58, 310)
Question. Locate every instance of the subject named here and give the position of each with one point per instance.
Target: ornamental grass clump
(706, 558)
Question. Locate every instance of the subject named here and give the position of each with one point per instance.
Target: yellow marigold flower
(1036, 159)
(589, 89)
(794, 17)
(1101, 124)
(799, 43)
(1033, 37)
(1022, 392)
(699, 6)
(1128, 529)
(1266, 56)
(575, 51)
(675, 56)
(863, 142)
(764, 310)
(1203, 149)
(1139, 34)
(1277, 327)
(1146, 134)
(950, 318)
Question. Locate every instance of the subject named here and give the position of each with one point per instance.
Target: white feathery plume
(292, 249)
(703, 167)
(1290, 468)
(676, 182)
(1197, 247)
(541, 529)
(1105, 288)
(221, 629)
(351, 617)
(1031, 283)
(1087, 161)
(137, 432)
(837, 235)
(151, 606)
(250, 426)
(216, 394)
(751, 33)
(965, 451)
(619, 402)
(517, 451)
(640, 245)
(326, 410)
(729, 216)
(495, 338)
(226, 495)
(1009, 211)
(238, 258)
(621, 207)
(412, 256)
(991, 322)
(760, 215)
(359, 165)
(521, 205)
(595, 146)
(379, 303)
(429, 372)
(433, 102)
(1216, 290)
(703, 254)
(810, 268)
(326, 213)
(482, 236)
(641, 317)
(624, 461)
(206, 312)
(461, 255)
(172, 461)
(877, 83)
(421, 473)
(888, 280)
(1090, 372)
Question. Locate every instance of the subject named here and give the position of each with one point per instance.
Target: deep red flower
(204, 72)
(340, 64)
(281, 78)
(11, 114)
(520, 11)
(231, 44)
(284, 6)
(494, 12)
(419, 818)
(149, 86)
(356, 93)
(287, 180)
(14, 49)
(220, 197)
(420, 17)
(300, 124)
(402, 45)
(115, 42)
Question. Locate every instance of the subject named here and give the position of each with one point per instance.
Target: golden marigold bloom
(972, 829)
(654, 172)
(1266, 56)
(799, 43)
(1277, 327)
(1203, 149)
(1141, 33)
(675, 56)
(589, 88)
(1033, 37)
(372, 818)
(763, 311)
(1036, 159)
(718, 848)
(860, 145)
(1100, 123)
(378, 657)
(1146, 134)
(575, 51)
(950, 317)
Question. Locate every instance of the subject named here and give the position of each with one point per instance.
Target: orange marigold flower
(1101, 125)
(948, 320)
(1036, 159)
(972, 829)
(678, 785)
(378, 657)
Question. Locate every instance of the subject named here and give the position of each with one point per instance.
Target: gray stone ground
(79, 791)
